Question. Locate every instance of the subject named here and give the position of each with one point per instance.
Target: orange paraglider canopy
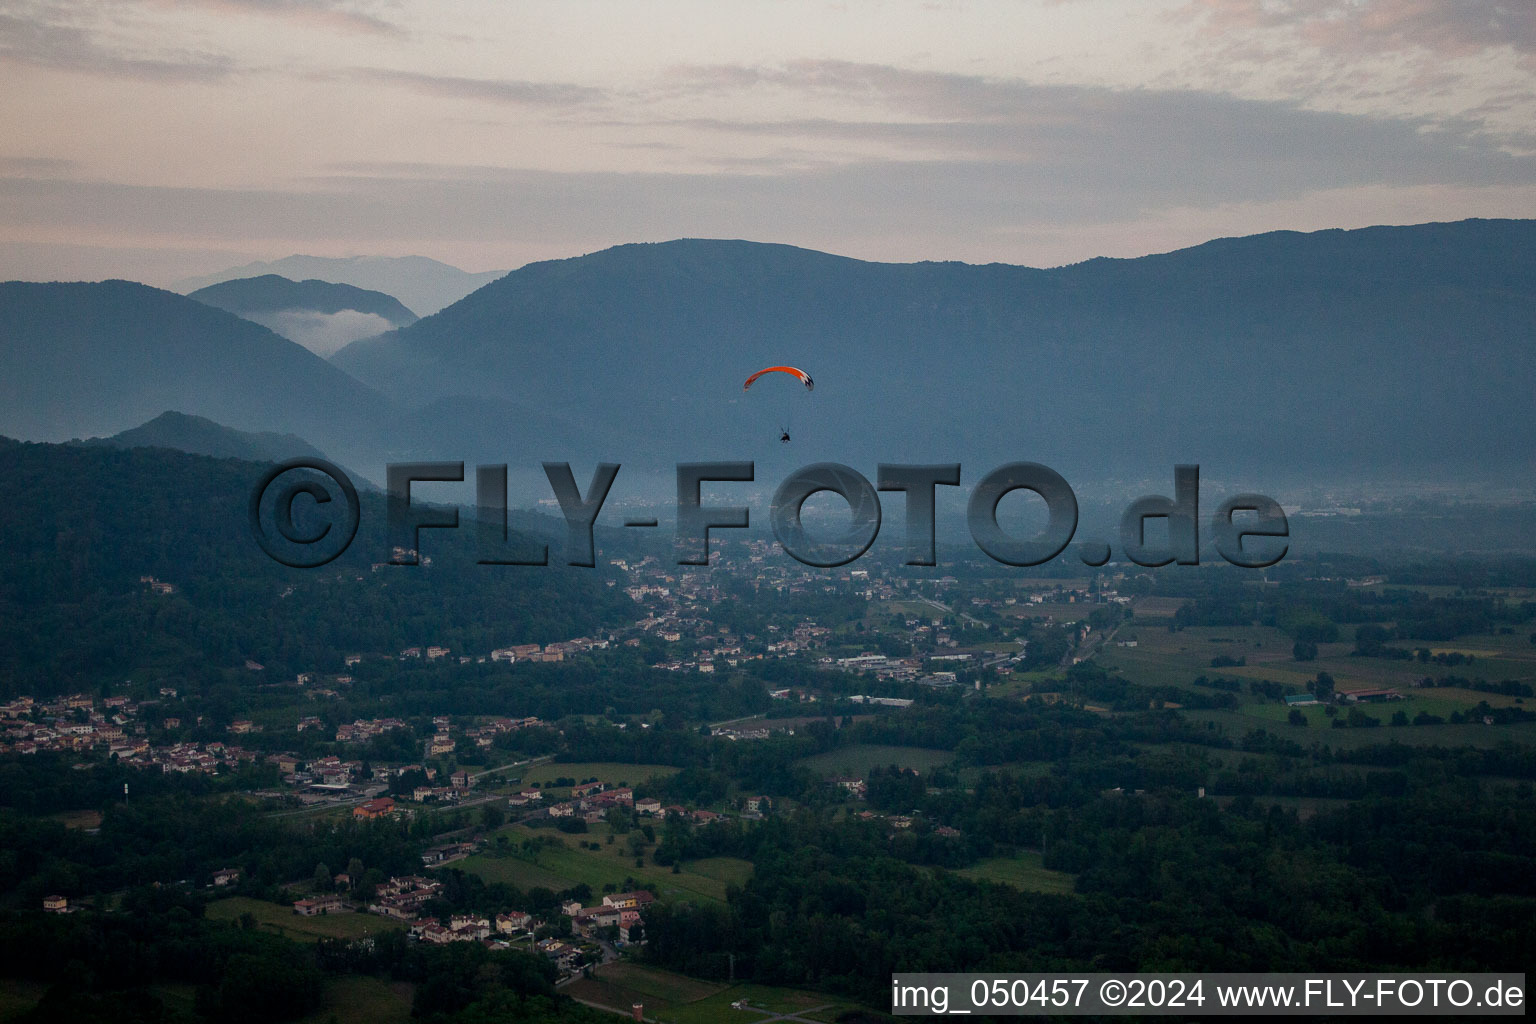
(804, 377)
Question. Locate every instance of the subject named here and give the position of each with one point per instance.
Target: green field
(677, 999)
(1024, 871)
(283, 921)
(1176, 659)
(1161, 658)
(1238, 723)
(859, 759)
(610, 772)
(563, 867)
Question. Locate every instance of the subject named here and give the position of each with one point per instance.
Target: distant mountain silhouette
(1332, 357)
(271, 293)
(83, 360)
(1386, 350)
(200, 436)
(319, 315)
(423, 284)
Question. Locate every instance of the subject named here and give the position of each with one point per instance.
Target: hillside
(423, 284)
(1350, 354)
(82, 360)
(82, 525)
(271, 293)
(199, 436)
(321, 316)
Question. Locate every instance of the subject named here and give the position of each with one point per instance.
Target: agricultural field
(545, 772)
(1161, 658)
(859, 759)
(1056, 611)
(1024, 871)
(81, 819)
(612, 773)
(1019, 684)
(1238, 723)
(676, 999)
(568, 865)
(283, 921)
(1152, 608)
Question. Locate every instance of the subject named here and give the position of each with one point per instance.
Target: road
(947, 610)
(373, 791)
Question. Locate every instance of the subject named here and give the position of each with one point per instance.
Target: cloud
(35, 166)
(492, 90)
(1178, 139)
(923, 165)
(1454, 28)
(45, 36)
(1454, 60)
(324, 334)
(1069, 158)
(333, 14)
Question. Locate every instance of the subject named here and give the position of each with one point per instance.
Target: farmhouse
(318, 905)
(379, 808)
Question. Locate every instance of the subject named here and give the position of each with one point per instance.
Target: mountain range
(198, 435)
(1345, 354)
(83, 360)
(1330, 357)
(320, 315)
(423, 284)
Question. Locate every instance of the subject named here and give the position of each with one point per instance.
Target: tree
(1296, 717)
(492, 816)
(322, 877)
(1323, 687)
(1304, 650)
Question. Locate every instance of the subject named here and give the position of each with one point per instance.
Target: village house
(516, 921)
(378, 808)
(318, 905)
(448, 851)
(637, 900)
(468, 927)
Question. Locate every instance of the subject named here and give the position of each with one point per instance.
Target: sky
(158, 139)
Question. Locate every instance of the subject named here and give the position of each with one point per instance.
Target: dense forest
(81, 526)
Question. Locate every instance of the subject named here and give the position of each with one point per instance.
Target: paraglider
(794, 372)
(803, 377)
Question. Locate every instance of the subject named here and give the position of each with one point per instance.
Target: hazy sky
(160, 138)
